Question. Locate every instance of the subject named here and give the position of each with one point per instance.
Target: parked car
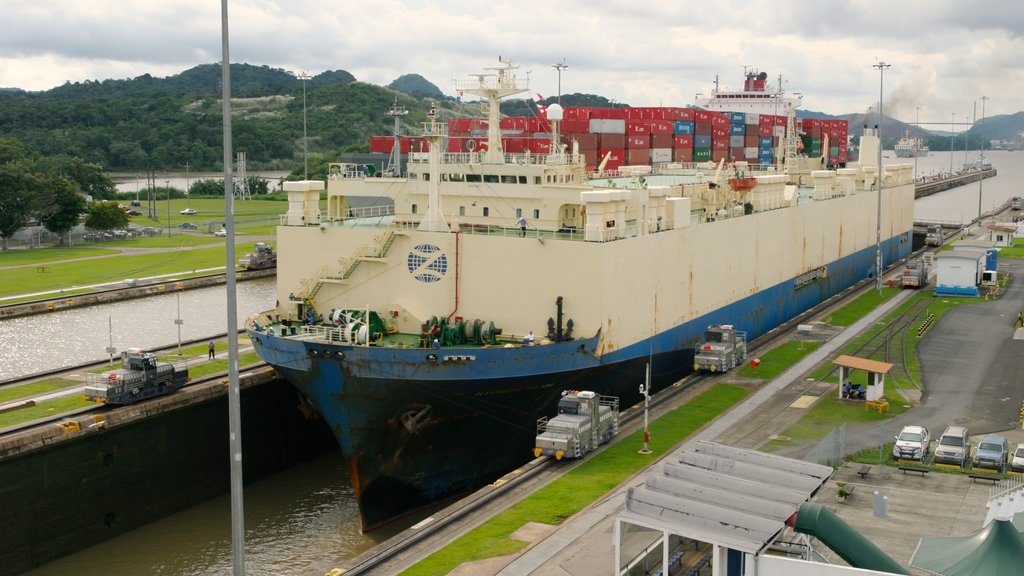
(1017, 460)
(993, 452)
(911, 443)
(136, 203)
(133, 213)
(221, 233)
(954, 446)
(187, 226)
(189, 212)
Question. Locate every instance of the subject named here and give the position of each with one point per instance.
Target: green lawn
(41, 255)
(43, 409)
(778, 360)
(581, 486)
(864, 303)
(70, 274)
(12, 393)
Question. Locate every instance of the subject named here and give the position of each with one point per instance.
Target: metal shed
(959, 272)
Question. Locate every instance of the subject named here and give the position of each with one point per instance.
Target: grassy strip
(13, 393)
(778, 360)
(43, 409)
(177, 239)
(33, 256)
(579, 487)
(864, 303)
(72, 274)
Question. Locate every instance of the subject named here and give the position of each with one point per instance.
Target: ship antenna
(395, 160)
(434, 133)
(494, 87)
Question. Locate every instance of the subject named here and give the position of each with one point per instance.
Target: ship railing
(478, 157)
(545, 233)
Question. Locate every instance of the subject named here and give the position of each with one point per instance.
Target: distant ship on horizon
(909, 147)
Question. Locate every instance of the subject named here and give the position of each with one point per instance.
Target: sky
(944, 54)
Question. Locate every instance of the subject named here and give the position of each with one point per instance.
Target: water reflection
(74, 336)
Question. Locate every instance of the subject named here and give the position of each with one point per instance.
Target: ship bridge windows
(453, 177)
(508, 179)
(413, 208)
(568, 406)
(474, 178)
(462, 210)
(487, 211)
(491, 178)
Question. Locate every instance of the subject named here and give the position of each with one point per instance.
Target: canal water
(304, 521)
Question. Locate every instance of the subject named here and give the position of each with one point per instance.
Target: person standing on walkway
(213, 350)
(522, 226)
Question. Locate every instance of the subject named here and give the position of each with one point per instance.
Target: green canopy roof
(995, 549)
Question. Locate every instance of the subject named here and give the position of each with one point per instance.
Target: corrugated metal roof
(863, 364)
(724, 495)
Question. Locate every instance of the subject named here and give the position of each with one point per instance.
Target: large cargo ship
(908, 147)
(433, 326)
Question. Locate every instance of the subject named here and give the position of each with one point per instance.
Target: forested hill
(163, 123)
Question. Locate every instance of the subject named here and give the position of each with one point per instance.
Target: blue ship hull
(420, 425)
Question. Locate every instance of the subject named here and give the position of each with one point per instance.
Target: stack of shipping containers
(645, 136)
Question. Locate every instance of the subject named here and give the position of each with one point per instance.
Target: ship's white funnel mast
(434, 133)
(494, 87)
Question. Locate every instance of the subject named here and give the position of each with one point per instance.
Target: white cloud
(944, 53)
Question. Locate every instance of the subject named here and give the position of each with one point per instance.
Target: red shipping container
(673, 114)
(766, 120)
(702, 116)
(751, 141)
(612, 141)
(764, 130)
(703, 128)
(458, 125)
(780, 120)
(409, 144)
(638, 156)
(638, 141)
(638, 127)
(720, 120)
(617, 155)
(573, 126)
(586, 141)
(577, 113)
(683, 154)
(736, 153)
(719, 155)
(719, 133)
(662, 126)
(539, 145)
(589, 158)
(456, 145)
(662, 140)
(514, 145)
(720, 144)
(683, 141)
(538, 125)
(381, 144)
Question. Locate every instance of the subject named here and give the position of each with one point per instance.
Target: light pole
(981, 160)
(305, 147)
(917, 124)
(560, 66)
(178, 321)
(645, 389)
(880, 179)
(952, 135)
(167, 190)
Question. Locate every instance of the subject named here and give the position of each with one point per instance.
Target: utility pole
(880, 179)
(981, 161)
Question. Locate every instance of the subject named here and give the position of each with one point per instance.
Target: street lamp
(981, 160)
(560, 66)
(952, 134)
(178, 321)
(305, 147)
(880, 178)
(167, 187)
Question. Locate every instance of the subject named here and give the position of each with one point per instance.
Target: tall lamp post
(880, 179)
(305, 147)
(981, 160)
(952, 135)
(167, 190)
(560, 66)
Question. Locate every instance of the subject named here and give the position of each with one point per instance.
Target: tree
(106, 216)
(63, 209)
(17, 200)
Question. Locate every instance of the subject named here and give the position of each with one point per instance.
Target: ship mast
(494, 87)
(395, 159)
(434, 133)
